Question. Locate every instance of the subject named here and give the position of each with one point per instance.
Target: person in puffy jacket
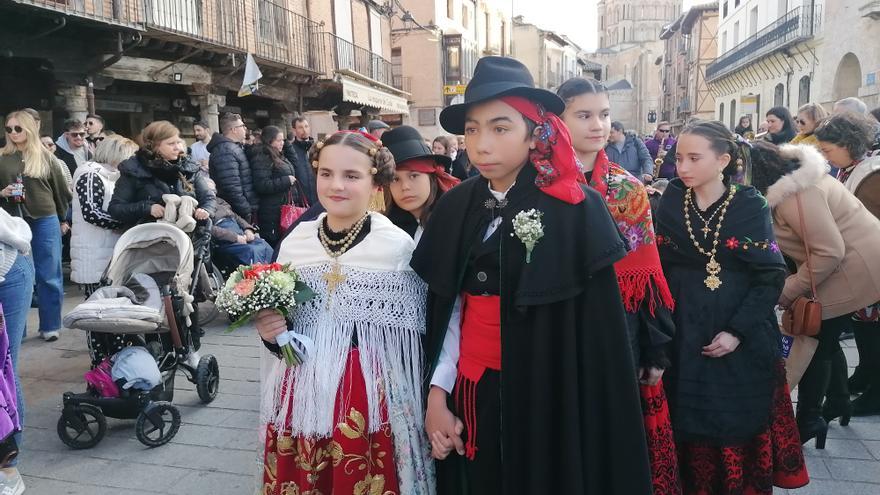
(274, 180)
(297, 153)
(229, 167)
(159, 167)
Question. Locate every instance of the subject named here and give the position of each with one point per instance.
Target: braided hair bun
(722, 140)
(381, 157)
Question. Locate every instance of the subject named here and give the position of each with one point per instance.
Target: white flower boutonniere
(528, 227)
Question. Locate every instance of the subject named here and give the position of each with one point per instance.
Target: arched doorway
(848, 78)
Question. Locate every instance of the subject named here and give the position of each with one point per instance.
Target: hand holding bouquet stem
(268, 292)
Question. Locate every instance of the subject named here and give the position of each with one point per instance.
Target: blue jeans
(46, 252)
(15, 294)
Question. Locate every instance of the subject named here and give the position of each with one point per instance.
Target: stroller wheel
(82, 426)
(207, 378)
(157, 424)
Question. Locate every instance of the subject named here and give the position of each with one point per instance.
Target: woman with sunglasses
(35, 189)
(808, 118)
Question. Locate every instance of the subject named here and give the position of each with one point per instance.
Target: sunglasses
(664, 131)
(77, 134)
(16, 129)
(801, 122)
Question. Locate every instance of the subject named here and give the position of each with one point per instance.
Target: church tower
(629, 45)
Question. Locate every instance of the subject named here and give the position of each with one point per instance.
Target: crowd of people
(638, 282)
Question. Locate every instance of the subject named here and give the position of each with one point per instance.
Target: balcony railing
(338, 54)
(402, 83)
(121, 12)
(284, 36)
(262, 27)
(270, 31)
(799, 24)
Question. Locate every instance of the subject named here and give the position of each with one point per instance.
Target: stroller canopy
(153, 248)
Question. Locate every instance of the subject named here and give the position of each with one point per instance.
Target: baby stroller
(162, 253)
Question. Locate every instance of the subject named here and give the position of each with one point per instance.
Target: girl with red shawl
(646, 296)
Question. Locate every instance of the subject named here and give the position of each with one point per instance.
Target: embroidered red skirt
(351, 460)
(773, 458)
(661, 444)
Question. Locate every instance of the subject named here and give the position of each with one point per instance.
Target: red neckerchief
(553, 156)
(844, 173)
(429, 166)
(627, 199)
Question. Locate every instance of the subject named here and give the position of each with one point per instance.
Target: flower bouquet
(252, 288)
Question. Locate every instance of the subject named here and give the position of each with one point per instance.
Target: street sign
(454, 89)
(748, 104)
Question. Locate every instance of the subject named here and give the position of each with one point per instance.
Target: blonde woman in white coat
(95, 231)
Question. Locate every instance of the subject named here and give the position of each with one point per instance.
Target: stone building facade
(629, 45)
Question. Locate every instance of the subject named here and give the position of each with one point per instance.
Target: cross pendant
(334, 278)
(705, 230)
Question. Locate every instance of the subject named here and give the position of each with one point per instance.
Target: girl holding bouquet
(349, 418)
(532, 388)
(646, 296)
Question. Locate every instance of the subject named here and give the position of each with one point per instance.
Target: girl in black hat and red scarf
(646, 296)
(420, 179)
(526, 327)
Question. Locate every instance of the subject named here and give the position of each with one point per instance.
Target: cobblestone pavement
(213, 453)
(215, 450)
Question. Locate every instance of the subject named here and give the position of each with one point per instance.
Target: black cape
(724, 400)
(570, 401)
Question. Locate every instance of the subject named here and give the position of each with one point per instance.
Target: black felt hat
(495, 77)
(405, 143)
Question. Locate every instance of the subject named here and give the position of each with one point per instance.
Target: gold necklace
(705, 230)
(713, 268)
(334, 277)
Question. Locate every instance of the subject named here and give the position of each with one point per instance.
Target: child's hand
(443, 428)
(270, 324)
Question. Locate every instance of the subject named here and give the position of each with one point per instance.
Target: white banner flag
(252, 75)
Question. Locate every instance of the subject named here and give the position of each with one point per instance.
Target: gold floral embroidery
(312, 457)
(371, 485)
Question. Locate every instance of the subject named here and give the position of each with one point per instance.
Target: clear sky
(575, 18)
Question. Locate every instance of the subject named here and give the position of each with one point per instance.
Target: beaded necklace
(334, 249)
(713, 268)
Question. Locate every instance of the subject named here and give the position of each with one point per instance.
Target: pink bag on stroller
(100, 379)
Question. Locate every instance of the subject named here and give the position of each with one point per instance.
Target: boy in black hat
(526, 326)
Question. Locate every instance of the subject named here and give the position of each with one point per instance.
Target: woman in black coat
(274, 178)
(159, 167)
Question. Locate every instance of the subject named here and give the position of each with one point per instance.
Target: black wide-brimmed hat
(495, 77)
(405, 143)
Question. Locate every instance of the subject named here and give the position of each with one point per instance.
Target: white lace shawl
(383, 301)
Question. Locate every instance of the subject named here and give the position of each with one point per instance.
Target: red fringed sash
(480, 350)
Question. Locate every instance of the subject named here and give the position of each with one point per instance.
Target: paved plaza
(215, 451)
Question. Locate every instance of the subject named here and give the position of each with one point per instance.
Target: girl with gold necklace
(731, 413)
(349, 419)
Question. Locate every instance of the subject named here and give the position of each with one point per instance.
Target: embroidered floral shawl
(639, 274)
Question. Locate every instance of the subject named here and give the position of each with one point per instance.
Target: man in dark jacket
(297, 152)
(71, 146)
(628, 151)
(229, 167)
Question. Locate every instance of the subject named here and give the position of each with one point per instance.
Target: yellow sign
(454, 89)
(748, 104)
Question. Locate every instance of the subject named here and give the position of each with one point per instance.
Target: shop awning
(355, 92)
